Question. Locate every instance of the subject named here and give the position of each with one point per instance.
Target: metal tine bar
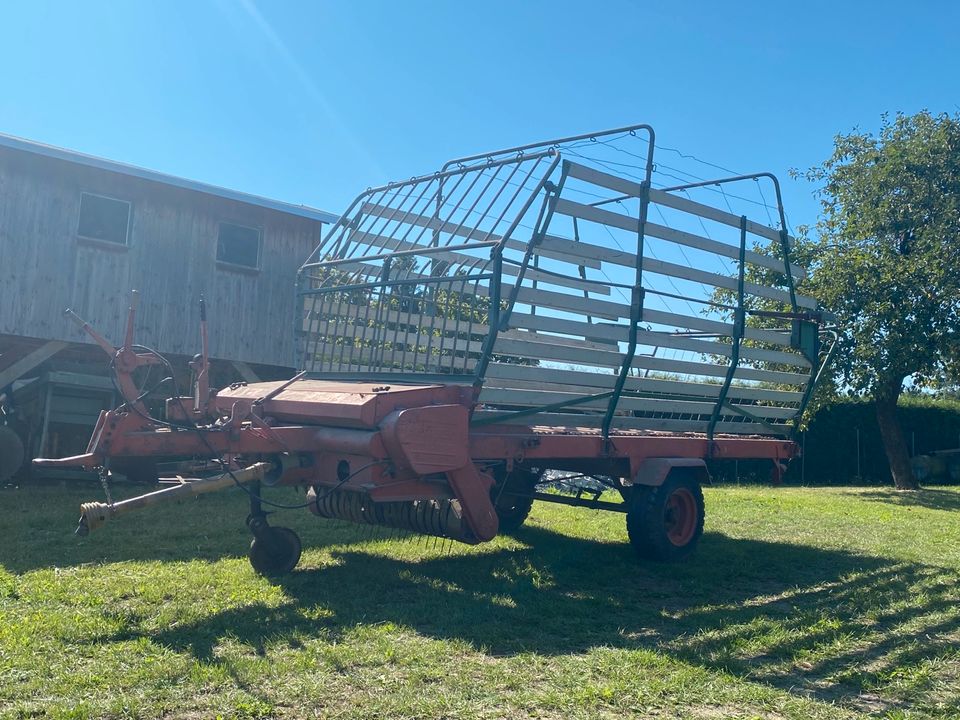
(438, 198)
(407, 324)
(631, 129)
(441, 199)
(348, 346)
(337, 353)
(418, 280)
(319, 341)
(477, 175)
(378, 323)
(580, 268)
(398, 211)
(425, 250)
(394, 211)
(435, 198)
(366, 196)
(312, 337)
(472, 209)
(369, 307)
(521, 186)
(445, 315)
(356, 224)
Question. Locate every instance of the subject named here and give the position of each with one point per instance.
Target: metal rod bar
(413, 281)
(580, 502)
(542, 409)
(365, 196)
(539, 228)
(551, 144)
(400, 253)
(739, 320)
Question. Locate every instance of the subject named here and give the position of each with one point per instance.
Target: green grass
(800, 603)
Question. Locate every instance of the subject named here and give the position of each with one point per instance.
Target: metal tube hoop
(739, 321)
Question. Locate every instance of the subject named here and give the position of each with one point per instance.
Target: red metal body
(456, 329)
(399, 443)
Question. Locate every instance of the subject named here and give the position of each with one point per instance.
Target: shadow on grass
(925, 498)
(820, 623)
(43, 518)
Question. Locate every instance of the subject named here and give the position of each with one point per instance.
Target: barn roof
(16, 143)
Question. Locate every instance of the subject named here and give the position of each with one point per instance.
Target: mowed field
(800, 603)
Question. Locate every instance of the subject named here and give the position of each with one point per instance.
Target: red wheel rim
(680, 517)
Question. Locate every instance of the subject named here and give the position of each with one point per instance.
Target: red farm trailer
(539, 323)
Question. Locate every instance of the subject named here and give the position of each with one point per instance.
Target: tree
(886, 260)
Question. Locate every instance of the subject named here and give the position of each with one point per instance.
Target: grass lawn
(800, 603)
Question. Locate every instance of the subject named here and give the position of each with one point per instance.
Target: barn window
(103, 218)
(239, 245)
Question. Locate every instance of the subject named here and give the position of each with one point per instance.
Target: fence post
(859, 477)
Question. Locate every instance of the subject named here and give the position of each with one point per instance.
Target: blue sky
(311, 102)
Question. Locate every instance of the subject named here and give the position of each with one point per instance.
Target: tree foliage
(885, 258)
(886, 255)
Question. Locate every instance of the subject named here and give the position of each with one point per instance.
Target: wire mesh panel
(576, 286)
(409, 280)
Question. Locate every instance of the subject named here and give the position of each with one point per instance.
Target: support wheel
(275, 551)
(512, 499)
(665, 523)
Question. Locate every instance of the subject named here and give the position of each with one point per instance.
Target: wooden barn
(80, 232)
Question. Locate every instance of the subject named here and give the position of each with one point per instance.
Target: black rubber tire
(512, 510)
(276, 555)
(653, 526)
(12, 453)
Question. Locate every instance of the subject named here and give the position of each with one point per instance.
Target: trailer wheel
(11, 453)
(275, 552)
(665, 523)
(512, 499)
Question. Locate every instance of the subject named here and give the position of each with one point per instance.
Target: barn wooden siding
(170, 259)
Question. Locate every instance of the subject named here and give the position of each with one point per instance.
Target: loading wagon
(540, 323)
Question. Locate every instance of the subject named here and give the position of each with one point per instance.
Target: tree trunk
(893, 440)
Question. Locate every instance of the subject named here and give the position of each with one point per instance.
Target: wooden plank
(29, 361)
(391, 244)
(524, 335)
(619, 333)
(432, 343)
(627, 187)
(622, 422)
(344, 311)
(360, 361)
(471, 234)
(546, 378)
(459, 230)
(572, 303)
(613, 333)
(690, 322)
(699, 242)
(711, 213)
(611, 359)
(539, 398)
(613, 219)
(614, 311)
(374, 274)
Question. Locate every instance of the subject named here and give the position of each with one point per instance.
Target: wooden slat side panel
(613, 219)
(504, 375)
(469, 234)
(619, 333)
(628, 187)
(347, 312)
(622, 422)
(540, 398)
(612, 359)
